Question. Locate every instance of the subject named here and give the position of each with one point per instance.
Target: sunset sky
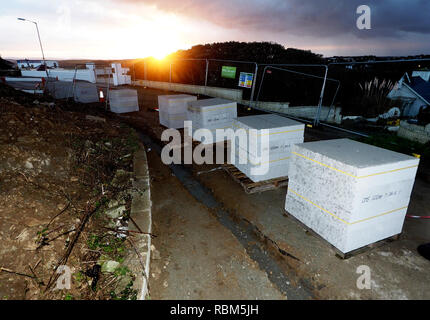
(138, 28)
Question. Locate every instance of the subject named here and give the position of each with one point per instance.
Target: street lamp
(40, 42)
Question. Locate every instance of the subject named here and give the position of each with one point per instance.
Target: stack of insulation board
(350, 193)
(271, 147)
(211, 114)
(173, 109)
(123, 100)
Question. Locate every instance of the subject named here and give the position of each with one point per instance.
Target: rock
(95, 118)
(25, 139)
(28, 165)
(115, 203)
(393, 128)
(156, 255)
(121, 178)
(110, 266)
(46, 162)
(24, 235)
(48, 104)
(156, 273)
(88, 144)
(115, 212)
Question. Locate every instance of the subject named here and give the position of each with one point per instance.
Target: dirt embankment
(64, 200)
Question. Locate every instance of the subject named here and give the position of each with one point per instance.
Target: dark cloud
(328, 18)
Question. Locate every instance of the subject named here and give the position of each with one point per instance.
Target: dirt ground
(198, 258)
(397, 270)
(59, 171)
(48, 185)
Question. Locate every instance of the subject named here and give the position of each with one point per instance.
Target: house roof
(420, 86)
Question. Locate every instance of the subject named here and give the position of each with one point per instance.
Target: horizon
(134, 29)
(149, 57)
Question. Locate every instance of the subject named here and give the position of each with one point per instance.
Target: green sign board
(228, 72)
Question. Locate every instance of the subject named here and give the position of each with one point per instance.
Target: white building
(413, 91)
(87, 74)
(116, 73)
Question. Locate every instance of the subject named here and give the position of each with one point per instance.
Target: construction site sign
(245, 79)
(228, 72)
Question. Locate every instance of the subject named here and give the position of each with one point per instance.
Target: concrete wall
(269, 105)
(308, 112)
(414, 132)
(231, 94)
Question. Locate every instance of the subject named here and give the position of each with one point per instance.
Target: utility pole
(40, 42)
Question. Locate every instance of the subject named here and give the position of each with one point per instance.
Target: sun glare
(156, 37)
(160, 53)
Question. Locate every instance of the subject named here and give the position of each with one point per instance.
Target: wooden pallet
(253, 187)
(339, 254)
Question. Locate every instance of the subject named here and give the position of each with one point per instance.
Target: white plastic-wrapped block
(211, 114)
(86, 92)
(268, 145)
(350, 193)
(275, 170)
(123, 100)
(173, 109)
(212, 129)
(172, 120)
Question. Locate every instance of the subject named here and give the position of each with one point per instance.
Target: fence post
(145, 74)
(207, 70)
(261, 84)
(253, 85)
(317, 116)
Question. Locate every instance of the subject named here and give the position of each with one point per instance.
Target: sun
(160, 53)
(157, 45)
(157, 36)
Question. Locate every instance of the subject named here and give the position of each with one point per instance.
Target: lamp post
(40, 41)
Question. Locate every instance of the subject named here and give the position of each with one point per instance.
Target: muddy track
(258, 246)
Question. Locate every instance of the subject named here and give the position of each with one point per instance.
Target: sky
(120, 29)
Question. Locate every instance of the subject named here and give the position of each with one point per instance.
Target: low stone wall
(141, 224)
(414, 132)
(309, 112)
(231, 94)
(269, 105)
